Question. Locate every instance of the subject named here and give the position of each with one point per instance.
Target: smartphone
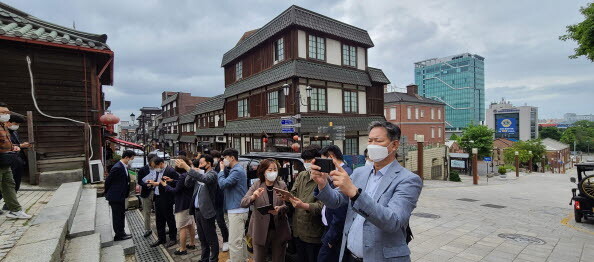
(326, 165)
(264, 209)
(284, 193)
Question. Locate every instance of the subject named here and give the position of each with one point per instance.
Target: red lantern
(295, 138)
(295, 147)
(109, 119)
(265, 140)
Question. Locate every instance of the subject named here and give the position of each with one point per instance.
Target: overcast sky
(178, 45)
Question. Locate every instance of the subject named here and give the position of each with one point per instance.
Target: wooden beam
(31, 155)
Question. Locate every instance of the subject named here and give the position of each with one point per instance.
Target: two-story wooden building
(325, 64)
(174, 105)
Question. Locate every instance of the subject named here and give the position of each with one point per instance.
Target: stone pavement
(524, 219)
(32, 199)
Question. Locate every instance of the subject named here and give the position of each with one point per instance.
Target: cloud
(178, 45)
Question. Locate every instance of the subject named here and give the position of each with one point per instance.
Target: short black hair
(215, 154)
(334, 149)
(151, 156)
(17, 118)
(231, 152)
(310, 152)
(366, 153)
(157, 160)
(208, 159)
(393, 130)
(182, 153)
(2, 104)
(128, 153)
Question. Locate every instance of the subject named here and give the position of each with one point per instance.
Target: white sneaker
(18, 215)
(196, 236)
(225, 247)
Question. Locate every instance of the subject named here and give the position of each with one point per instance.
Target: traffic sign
(288, 130)
(288, 121)
(488, 159)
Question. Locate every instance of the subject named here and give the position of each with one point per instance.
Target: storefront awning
(124, 143)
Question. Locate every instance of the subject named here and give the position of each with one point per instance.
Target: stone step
(84, 220)
(113, 253)
(62, 205)
(84, 249)
(103, 222)
(41, 243)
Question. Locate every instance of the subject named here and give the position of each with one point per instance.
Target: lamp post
(530, 162)
(544, 158)
(517, 154)
(420, 140)
(471, 146)
(474, 166)
(297, 103)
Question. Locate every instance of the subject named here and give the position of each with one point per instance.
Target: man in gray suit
(204, 180)
(381, 199)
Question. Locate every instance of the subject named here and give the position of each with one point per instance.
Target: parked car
(583, 201)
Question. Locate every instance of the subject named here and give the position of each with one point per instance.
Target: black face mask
(204, 168)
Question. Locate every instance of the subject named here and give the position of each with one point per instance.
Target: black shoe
(5, 208)
(180, 253)
(157, 243)
(1, 212)
(120, 238)
(170, 243)
(147, 233)
(191, 247)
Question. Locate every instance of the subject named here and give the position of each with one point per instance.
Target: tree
(454, 137)
(524, 148)
(583, 34)
(481, 137)
(550, 132)
(582, 133)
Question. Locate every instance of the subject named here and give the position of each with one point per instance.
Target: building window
(351, 146)
(350, 101)
(393, 113)
(439, 132)
(422, 113)
(317, 47)
(237, 143)
(273, 102)
(439, 114)
(242, 108)
(416, 113)
(433, 132)
(256, 144)
(349, 55)
(432, 113)
(279, 50)
(409, 112)
(239, 70)
(322, 143)
(317, 99)
(385, 112)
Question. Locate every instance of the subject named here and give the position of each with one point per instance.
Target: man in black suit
(146, 192)
(164, 202)
(117, 189)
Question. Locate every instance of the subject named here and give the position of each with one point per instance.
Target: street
(525, 219)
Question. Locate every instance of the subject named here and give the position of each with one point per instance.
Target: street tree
(582, 134)
(477, 136)
(550, 132)
(524, 148)
(583, 34)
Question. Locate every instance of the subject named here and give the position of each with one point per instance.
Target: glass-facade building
(458, 81)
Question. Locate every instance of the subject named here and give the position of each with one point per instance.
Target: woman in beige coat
(270, 230)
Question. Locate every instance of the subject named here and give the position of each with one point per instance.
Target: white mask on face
(368, 163)
(377, 153)
(4, 118)
(271, 176)
(226, 162)
(307, 166)
(13, 127)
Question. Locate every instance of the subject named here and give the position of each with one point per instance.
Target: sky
(178, 45)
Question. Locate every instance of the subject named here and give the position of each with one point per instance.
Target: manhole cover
(425, 215)
(523, 238)
(467, 199)
(493, 206)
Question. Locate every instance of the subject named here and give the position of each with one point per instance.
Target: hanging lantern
(109, 119)
(295, 138)
(295, 147)
(265, 140)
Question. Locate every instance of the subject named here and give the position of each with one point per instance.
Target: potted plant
(502, 171)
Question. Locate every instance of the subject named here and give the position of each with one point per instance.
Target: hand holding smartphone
(326, 164)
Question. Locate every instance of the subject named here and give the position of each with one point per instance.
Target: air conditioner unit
(221, 139)
(96, 170)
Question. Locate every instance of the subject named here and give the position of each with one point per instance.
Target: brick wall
(432, 157)
(422, 125)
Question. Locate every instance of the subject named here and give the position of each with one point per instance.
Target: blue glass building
(458, 81)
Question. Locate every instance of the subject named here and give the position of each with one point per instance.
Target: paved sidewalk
(32, 199)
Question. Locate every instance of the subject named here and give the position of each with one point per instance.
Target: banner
(507, 125)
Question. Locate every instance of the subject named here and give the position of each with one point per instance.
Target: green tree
(477, 136)
(454, 137)
(524, 148)
(583, 34)
(582, 133)
(550, 132)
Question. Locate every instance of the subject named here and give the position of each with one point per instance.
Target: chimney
(412, 90)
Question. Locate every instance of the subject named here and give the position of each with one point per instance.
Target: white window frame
(432, 132)
(439, 134)
(349, 55)
(243, 104)
(432, 113)
(409, 112)
(273, 108)
(439, 114)
(279, 50)
(416, 113)
(238, 70)
(317, 47)
(393, 113)
(422, 113)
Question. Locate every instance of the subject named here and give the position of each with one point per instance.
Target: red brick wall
(421, 126)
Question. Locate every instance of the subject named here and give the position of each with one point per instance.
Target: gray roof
(169, 120)
(299, 68)
(18, 24)
(187, 139)
(309, 124)
(213, 104)
(298, 16)
(377, 75)
(169, 99)
(398, 97)
(171, 137)
(187, 118)
(147, 108)
(554, 145)
(217, 131)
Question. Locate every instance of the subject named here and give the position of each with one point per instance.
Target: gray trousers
(147, 206)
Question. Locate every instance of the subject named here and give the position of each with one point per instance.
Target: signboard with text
(507, 125)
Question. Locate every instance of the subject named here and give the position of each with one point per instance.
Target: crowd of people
(336, 215)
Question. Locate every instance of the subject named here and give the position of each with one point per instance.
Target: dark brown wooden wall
(375, 100)
(60, 90)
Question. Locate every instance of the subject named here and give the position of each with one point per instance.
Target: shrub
(502, 170)
(455, 176)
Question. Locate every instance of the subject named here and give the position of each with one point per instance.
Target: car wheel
(578, 216)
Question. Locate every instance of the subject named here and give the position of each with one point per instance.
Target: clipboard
(264, 209)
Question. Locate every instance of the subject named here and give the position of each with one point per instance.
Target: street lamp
(530, 162)
(517, 155)
(132, 117)
(297, 103)
(474, 166)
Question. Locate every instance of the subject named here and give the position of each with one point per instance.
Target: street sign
(295, 125)
(288, 130)
(487, 159)
(288, 121)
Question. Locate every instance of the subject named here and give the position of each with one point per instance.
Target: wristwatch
(354, 198)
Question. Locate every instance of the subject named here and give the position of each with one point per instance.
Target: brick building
(416, 115)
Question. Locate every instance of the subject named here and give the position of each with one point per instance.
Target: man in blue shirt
(380, 200)
(234, 186)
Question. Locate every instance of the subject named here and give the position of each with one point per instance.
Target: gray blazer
(386, 213)
(205, 187)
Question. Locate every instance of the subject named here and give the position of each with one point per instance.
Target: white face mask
(13, 127)
(307, 166)
(368, 163)
(226, 162)
(4, 118)
(377, 153)
(271, 176)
